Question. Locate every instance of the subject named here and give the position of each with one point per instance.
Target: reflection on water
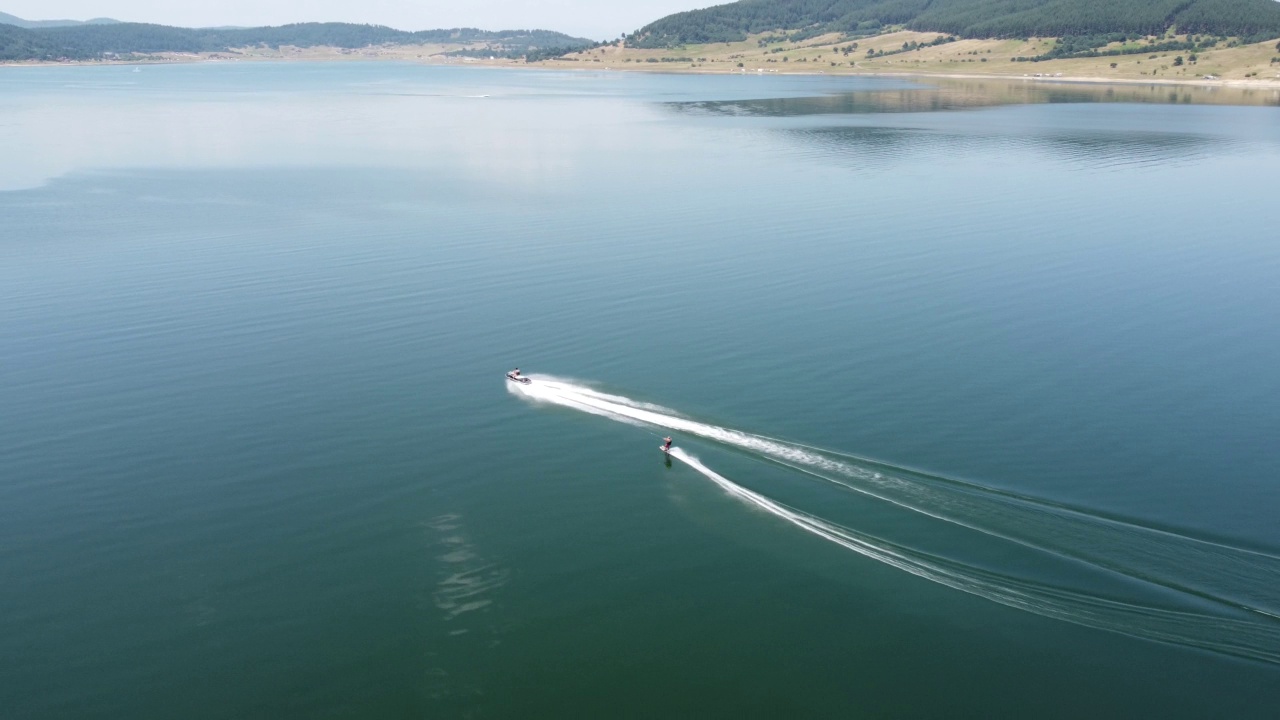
(1095, 149)
(1125, 139)
(963, 94)
(51, 132)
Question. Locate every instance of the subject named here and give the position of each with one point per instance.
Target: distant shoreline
(415, 55)
(1196, 82)
(1257, 84)
(906, 53)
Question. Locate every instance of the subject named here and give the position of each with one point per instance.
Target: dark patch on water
(953, 95)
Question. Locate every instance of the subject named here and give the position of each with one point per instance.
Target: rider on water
(666, 445)
(515, 373)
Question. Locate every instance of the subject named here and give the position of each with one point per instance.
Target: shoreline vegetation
(1145, 60)
(133, 41)
(1201, 42)
(898, 53)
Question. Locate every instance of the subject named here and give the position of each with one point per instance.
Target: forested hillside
(85, 42)
(1258, 19)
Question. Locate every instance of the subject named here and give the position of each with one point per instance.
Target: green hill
(1254, 19)
(87, 42)
(7, 19)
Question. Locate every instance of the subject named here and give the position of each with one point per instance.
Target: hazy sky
(596, 19)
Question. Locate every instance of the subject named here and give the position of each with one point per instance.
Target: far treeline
(1249, 20)
(89, 42)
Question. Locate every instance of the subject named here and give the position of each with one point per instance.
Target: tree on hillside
(966, 18)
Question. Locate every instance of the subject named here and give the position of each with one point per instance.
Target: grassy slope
(968, 18)
(961, 57)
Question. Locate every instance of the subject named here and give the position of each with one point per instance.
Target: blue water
(973, 387)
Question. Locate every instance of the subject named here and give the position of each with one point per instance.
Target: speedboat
(518, 378)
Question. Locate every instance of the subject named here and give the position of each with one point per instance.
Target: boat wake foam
(1243, 584)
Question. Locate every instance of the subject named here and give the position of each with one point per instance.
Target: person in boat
(666, 443)
(515, 373)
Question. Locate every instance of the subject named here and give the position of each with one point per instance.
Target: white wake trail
(1238, 638)
(1236, 577)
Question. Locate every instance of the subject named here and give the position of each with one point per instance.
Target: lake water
(973, 387)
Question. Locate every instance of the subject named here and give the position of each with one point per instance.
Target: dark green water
(257, 457)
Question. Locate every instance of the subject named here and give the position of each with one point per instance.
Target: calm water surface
(974, 387)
